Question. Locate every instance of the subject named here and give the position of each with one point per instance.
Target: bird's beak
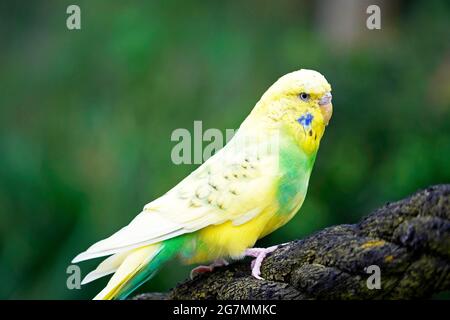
(326, 107)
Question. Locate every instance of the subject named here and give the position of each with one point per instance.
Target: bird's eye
(304, 96)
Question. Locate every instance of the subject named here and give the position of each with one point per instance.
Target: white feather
(182, 210)
(108, 266)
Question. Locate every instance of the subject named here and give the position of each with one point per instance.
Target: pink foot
(203, 269)
(259, 254)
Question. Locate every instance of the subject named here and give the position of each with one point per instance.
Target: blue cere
(306, 119)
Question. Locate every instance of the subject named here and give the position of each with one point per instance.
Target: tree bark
(408, 240)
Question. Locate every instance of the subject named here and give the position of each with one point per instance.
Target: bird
(251, 187)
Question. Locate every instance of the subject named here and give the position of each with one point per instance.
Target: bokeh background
(86, 116)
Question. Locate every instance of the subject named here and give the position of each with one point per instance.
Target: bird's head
(300, 103)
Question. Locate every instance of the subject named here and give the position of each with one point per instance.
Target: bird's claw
(209, 268)
(259, 254)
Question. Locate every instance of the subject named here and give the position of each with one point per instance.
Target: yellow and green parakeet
(251, 187)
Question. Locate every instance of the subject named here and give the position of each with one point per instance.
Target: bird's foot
(209, 268)
(259, 254)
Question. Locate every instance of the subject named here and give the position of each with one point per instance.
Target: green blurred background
(86, 116)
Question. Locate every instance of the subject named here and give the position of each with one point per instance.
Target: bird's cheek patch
(306, 120)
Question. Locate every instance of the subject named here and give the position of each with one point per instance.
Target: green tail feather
(169, 249)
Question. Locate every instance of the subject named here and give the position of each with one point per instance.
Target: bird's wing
(236, 184)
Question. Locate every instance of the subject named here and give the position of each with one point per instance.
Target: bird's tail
(132, 268)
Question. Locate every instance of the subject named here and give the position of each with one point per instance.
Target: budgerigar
(248, 189)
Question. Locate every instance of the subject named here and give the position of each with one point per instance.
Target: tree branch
(409, 240)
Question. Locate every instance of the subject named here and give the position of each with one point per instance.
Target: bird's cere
(326, 107)
(326, 99)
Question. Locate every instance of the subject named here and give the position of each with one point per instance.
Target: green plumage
(295, 169)
(169, 249)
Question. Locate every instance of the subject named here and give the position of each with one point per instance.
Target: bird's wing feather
(234, 185)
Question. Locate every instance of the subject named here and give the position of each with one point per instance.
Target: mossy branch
(409, 240)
